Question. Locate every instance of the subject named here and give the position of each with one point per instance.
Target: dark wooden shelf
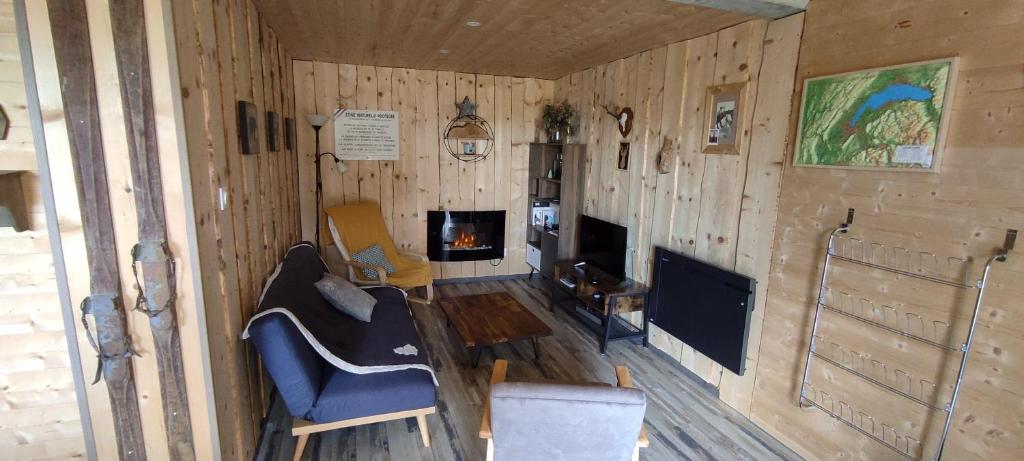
(565, 190)
(539, 228)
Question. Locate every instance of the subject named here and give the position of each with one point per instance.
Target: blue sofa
(319, 395)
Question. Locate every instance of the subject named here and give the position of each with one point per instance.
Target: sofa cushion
(289, 359)
(349, 395)
(300, 269)
(346, 297)
(296, 368)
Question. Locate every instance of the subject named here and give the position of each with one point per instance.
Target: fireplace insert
(465, 235)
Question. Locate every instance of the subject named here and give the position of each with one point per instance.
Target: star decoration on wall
(466, 108)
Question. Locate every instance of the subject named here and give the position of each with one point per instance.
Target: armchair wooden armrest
(497, 376)
(415, 256)
(625, 380)
(429, 287)
(382, 275)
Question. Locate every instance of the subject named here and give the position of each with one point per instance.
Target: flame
(464, 240)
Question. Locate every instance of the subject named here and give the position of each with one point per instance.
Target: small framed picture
(248, 128)
(468, 148)
(724, 125)
(623, 162)
(272, 131)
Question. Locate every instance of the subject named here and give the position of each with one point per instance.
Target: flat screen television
(603, 245)
(704, 306)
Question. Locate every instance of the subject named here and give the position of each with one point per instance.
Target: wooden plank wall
(38, 409)
(961, 211)
(19, 182)
(69, 221)
(425, 177)
(228, 53)
(717, 208)
(16, 152)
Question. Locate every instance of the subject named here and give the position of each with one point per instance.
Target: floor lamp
(318, 121)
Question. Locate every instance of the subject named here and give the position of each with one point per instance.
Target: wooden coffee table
(493, 318)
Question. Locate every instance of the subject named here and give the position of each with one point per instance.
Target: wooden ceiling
(527, 38)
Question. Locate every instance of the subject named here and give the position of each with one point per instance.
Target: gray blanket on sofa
(389, 342)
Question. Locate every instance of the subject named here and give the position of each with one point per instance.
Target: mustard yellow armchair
(355, 227)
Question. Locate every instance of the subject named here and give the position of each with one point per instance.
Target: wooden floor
(685, 421)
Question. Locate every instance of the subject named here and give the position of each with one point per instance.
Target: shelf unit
(565, 163)
(899, 261)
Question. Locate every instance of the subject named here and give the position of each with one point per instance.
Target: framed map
(889, 118)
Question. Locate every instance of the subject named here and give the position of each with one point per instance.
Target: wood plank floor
(684, 420)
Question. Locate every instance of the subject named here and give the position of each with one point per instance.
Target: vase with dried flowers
(558, 120)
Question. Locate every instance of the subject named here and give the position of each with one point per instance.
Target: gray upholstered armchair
(527, 421)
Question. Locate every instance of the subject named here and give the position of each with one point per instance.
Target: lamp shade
(317, 120)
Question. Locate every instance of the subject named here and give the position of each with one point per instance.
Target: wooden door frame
(52, 229)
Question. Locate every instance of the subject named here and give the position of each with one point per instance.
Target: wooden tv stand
(601, 313)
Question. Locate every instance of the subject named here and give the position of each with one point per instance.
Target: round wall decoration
(468, 137)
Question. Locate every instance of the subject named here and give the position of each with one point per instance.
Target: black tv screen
(603, 245)
(704, 306)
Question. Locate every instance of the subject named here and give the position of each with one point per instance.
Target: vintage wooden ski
(151, 257)
(70, 29)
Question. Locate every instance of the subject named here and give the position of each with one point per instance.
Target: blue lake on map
(892, 93)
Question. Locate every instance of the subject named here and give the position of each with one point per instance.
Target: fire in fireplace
(464, 241)
(465, 235)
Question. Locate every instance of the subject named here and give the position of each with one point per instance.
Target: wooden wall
(228, 53)
(425, 177)
(16, 152)
(68, 219)
(718, 208)
(39, 413)
(38, 409)
(19, 183)
(961, 211)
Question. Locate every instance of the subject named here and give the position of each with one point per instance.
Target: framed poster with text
(366, 135)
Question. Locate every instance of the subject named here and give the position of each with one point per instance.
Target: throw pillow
(346, 297)
(374, 256)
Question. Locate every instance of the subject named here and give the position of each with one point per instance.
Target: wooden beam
(772, 9)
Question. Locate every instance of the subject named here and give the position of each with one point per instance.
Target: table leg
(479, 351)
(551, 297)
(607, 326)
(536, 348)
(476, 355)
